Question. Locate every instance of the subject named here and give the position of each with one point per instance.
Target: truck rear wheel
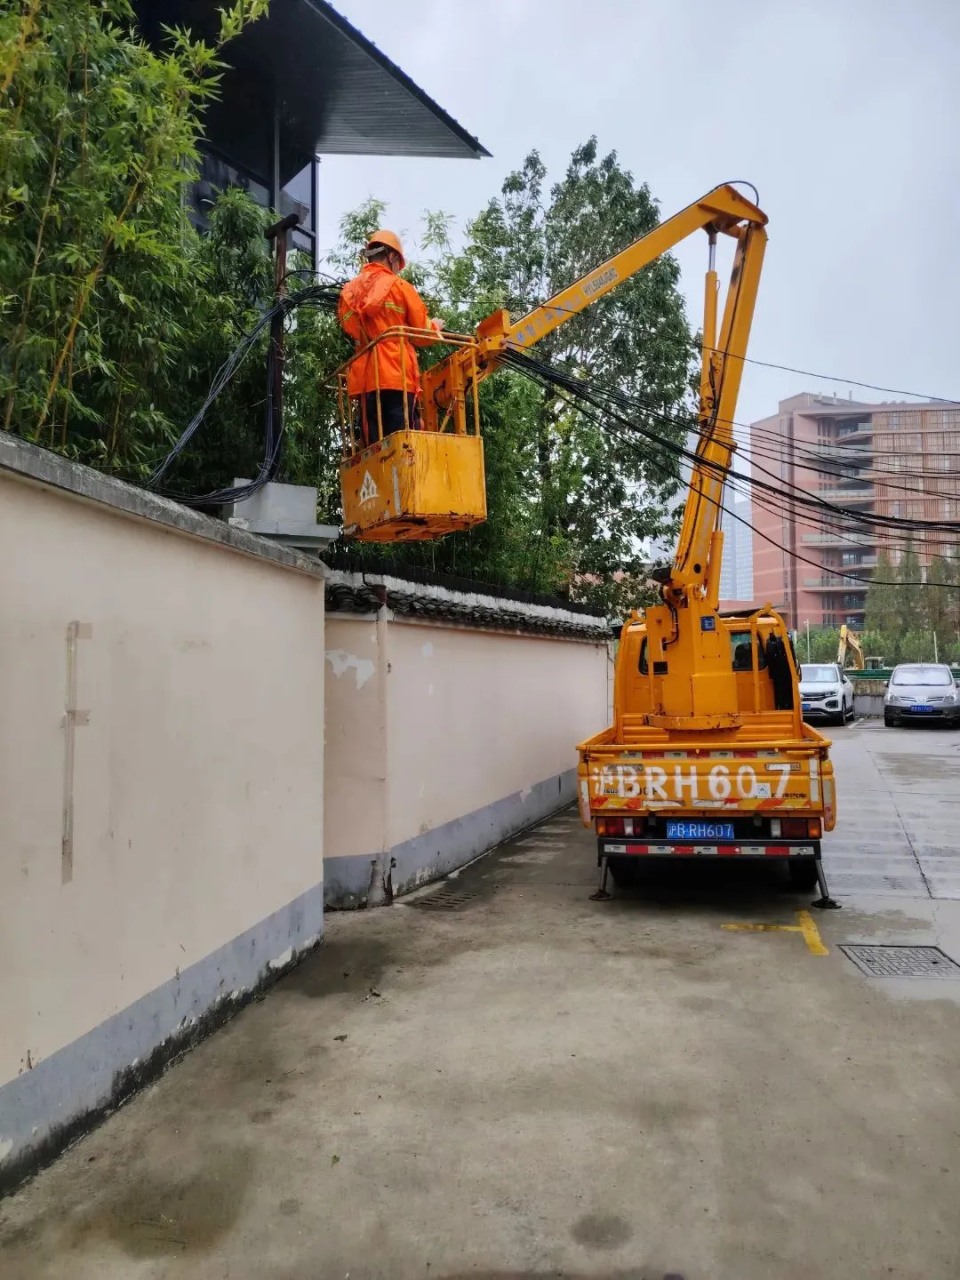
(803, 874)
(624, 871)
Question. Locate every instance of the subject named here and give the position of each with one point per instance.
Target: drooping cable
(617, 403)
(323, 296)
(605, 410)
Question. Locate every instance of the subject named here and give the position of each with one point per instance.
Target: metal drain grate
(881, 961)
(443, 900)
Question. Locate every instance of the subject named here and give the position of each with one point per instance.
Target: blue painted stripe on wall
(87, 1075)
(449, 846)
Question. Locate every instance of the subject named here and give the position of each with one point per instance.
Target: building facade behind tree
(298, 84)
(736, 570)
(894, 459)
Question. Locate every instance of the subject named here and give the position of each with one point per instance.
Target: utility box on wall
(285, 512)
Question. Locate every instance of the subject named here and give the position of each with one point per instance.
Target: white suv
(825, 693)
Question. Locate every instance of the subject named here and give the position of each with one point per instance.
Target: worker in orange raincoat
(387, 378)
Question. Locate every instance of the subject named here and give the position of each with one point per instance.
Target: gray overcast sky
(844, 113)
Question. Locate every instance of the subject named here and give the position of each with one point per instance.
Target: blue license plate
(921, 706)
(807, 706)
(699, 830)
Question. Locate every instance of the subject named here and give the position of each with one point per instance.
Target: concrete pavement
(898, 813)
(508, 1080)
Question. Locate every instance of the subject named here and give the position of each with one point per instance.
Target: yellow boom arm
(721, 211)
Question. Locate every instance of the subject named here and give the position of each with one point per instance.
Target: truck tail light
(619, 826)
(796, 828)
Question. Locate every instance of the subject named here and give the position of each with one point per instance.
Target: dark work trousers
(391, 414)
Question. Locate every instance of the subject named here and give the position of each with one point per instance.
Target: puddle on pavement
(923, 768)
(151, 1216)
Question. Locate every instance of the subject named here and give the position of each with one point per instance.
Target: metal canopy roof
(336, 93)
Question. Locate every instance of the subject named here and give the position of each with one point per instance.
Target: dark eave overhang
(334, 92)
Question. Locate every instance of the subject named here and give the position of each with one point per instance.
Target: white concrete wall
(481, 729)
(197, 790)
(478, 715)
(355, 757)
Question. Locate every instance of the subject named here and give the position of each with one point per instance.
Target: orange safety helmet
(391, 240)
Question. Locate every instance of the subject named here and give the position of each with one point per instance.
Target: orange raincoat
(370, 303)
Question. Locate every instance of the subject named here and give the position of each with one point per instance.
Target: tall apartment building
(894, 459)
(736, 569)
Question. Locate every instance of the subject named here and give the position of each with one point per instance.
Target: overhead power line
(605, 408)
(830, 377)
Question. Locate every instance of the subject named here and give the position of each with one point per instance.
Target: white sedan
(825, 693)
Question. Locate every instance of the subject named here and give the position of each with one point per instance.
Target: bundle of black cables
(324, 296)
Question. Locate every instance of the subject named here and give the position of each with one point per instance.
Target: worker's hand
(436, 324)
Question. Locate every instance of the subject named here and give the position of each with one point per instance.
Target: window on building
(216, 174)
(298, 196)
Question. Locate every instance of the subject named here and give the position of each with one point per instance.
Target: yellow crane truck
(708, 755)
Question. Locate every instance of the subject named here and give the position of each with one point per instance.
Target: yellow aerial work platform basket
(427, 479)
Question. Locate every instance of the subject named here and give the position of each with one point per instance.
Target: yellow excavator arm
(849, 640)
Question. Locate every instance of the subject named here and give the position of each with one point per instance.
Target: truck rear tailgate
(620, 779)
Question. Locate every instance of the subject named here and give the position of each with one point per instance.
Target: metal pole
(808, 639)
(601, 895)
(275, 189)
(824, 902)
(279, 233)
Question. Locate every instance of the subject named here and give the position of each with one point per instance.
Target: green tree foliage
(881, 607)
(875, 644)
(601, 495)
(571, 504)
(935, 600)
(824, 642)
(115, 315)
(903, 618)
(908, 595)
(103, 288)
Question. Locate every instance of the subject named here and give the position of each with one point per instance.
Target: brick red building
(895, 459)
